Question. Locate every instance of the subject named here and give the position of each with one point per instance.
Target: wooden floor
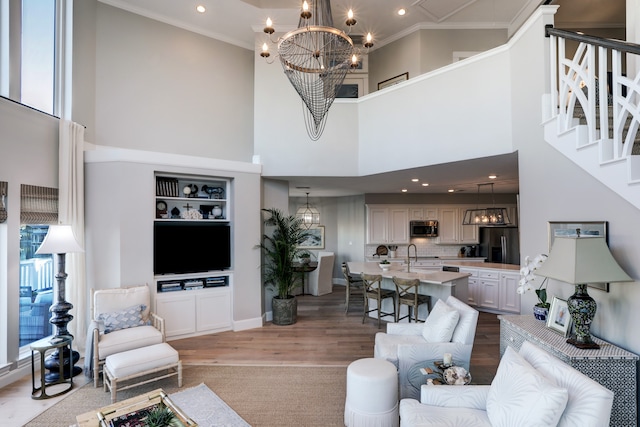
(323, 335)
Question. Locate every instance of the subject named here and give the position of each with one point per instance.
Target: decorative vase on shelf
(540, 313)
(216, 211)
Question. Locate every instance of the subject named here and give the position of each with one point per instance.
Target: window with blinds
(38, 205)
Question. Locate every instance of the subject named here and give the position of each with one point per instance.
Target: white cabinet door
(416, 214)
(468, 233)
(178, 311)
(398, 226)
(448, 226)
(377, 223)
(473, 296)
(213, 310)
(430, 213)
(387, 225)
(509, 296)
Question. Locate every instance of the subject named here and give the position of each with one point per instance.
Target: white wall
(165, 89)
(29, 155)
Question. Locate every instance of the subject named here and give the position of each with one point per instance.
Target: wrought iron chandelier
(310, 216)
(486, 216)
(315, 58)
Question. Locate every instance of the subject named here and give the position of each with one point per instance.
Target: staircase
(598, 133)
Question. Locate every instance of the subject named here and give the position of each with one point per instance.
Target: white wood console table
(611, 366)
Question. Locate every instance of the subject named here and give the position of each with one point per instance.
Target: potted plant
(305, 257)
(280, 251)
(384, 265)
(541, 309)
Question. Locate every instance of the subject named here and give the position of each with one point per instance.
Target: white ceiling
(237, 22)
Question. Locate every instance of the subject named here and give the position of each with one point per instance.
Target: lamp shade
(59, 240)
(578, 260)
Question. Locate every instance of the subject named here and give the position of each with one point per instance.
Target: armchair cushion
(520, 395)
(128, 339)
(413, 414)
(440, 324)
(129, 317)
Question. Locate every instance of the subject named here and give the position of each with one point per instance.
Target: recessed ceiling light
(451, 190)
(425, 184)
(414, 180)
(200, 8)
(404, 190)
(493, 176)
(402, 11)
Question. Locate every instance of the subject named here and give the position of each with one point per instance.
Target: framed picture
(315, 239)
(393, 80)
(354, 86)
(559, 319)
(587, 228)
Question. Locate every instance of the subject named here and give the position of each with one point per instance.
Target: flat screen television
(190, 247)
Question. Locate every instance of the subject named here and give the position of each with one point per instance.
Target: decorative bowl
(385, 267)
(456, 375)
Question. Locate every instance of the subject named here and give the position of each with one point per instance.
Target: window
(37, 78)
(31, 52)
(36, 285)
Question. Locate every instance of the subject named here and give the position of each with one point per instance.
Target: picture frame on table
(315, 238)
(587, 228)
(559, 319)
(393, 80)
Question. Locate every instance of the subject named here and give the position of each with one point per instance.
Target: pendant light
(310, 216)
(486, 217)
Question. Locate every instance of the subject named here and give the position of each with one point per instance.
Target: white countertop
(425, 258)
(487, 265)
(444, 278)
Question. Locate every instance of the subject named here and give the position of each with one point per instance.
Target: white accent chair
(321, 279)
(103, 342)
(531, 388)
(405, 345)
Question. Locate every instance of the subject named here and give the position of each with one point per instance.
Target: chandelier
(310, 216)
(487, 216)
(315, 58)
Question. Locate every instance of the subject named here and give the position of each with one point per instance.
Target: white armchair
(405, 344)
(321, 279)
(121, 320)
(531, 388)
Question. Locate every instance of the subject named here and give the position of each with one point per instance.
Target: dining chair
(407, 294)
(352, 283)
(372, 289)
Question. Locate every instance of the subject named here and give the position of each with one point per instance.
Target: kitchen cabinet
(450, 228)
(422, 213)
(493, 290)
(387, 225)
(509, 296)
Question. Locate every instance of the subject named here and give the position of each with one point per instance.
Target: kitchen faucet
(415, 252)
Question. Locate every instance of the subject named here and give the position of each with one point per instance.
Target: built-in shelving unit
(192, 198)
(194, 303)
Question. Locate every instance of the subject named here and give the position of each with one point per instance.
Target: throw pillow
(130, 317)
(440, 323)
(521, 396)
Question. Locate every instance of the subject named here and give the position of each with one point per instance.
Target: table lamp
(579, 260)
(60, 240)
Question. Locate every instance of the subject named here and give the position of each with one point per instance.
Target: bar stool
(352, 283)
(407, 291)
(372, 288)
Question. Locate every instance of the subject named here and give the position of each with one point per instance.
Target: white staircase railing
(592, 103)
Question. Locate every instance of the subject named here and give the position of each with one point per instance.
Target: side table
(611, 366)
(43, 346)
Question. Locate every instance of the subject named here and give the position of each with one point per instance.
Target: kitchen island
(437, 284)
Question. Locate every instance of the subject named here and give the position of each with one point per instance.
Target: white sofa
(531, 388)
(407, 344)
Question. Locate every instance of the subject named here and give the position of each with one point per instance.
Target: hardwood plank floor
(323, 335)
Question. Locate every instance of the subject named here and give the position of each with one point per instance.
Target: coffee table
(417, 379)
(101, 417)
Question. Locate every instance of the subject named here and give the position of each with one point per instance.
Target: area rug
(205, 408)
(263, 396)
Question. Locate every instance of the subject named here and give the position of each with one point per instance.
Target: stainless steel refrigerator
(500, 244)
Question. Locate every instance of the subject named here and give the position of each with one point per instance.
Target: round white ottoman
(372, 394)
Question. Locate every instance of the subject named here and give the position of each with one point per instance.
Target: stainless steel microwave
(427, 228)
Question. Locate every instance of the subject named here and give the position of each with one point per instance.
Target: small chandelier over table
(310, 216)
(315, 58)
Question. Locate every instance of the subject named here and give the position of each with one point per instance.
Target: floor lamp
(580, 260)
(60, 240)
